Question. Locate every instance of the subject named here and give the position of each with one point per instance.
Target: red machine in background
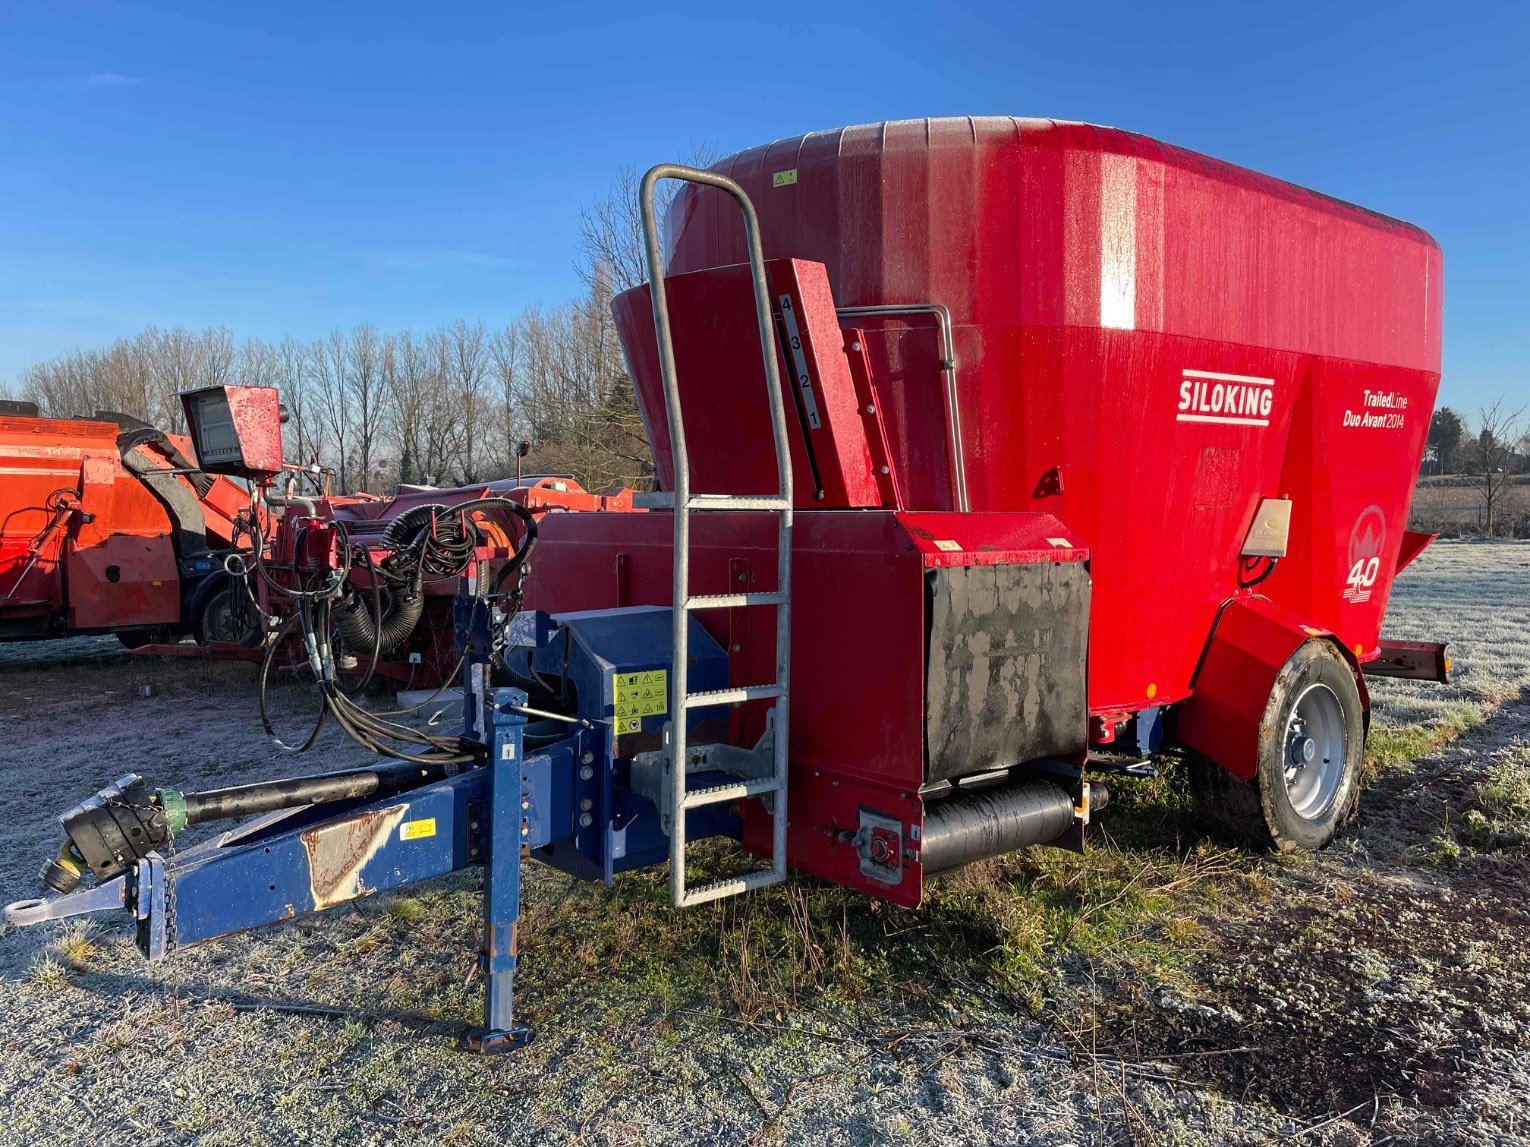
(106, 526)
(422, 654)
(414, 644)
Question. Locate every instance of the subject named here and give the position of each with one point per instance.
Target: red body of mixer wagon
(1099, 446)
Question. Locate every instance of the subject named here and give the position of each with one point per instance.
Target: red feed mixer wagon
(992, 455)
(1098, 444)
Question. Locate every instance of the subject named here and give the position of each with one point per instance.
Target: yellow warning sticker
(639, 695)
(947, 544)
(784, 178)
(417, 829)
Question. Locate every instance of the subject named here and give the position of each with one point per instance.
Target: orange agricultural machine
(107, 526)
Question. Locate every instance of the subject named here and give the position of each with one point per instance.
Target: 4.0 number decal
(1362, 575)
(1365, 545)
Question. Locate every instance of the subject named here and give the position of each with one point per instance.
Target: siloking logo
(1365, 543)
(1225, 399)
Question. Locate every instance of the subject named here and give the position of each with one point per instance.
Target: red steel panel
(1147, 343)
(858, 643)
(722, 385)
(256, 411)
(857, 619)
(990, 539)
(109, 564)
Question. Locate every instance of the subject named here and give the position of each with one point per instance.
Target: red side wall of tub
(1100, 284)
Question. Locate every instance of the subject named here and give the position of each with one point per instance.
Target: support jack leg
(501, 1031)
(497, 1041)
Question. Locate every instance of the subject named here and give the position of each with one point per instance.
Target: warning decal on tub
(638, 695)
(417, 829)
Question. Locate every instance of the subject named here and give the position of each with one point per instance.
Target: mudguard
(1252, 639)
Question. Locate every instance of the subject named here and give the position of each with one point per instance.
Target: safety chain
(170, 862)
(169, 857)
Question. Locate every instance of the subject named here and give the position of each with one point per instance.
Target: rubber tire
(215, 603)
(1259, 812)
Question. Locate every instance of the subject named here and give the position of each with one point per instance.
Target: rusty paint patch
(503, 939)
(337, 854)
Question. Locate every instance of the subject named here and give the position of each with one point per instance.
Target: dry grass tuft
(1506, 792)
(407, 910)
(76, 944)
(1393, 747)
(1501, 819)
(48, 973)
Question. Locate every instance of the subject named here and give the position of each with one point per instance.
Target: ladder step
(731, 696)
(701, 894)
(733, 600)
(738, 502)
(733, 791)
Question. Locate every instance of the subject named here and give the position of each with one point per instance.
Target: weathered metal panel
(338, 853)
(1005, 673)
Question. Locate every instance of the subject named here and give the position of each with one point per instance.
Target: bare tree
(408, 379)
(1489, 457)
(364, 395)
(257, 363)
(508, 365)
(326, 371)
(611, 227)
(577, 401)
(303, 437)
(186, 361)
(140, 376)
(467, 370)
(580, 402)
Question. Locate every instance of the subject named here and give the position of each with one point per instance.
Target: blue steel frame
(569, 803)
(509, 794)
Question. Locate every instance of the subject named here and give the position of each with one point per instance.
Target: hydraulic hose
(354, 621)
(429, 542)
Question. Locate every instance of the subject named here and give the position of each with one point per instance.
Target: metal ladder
(681, 700)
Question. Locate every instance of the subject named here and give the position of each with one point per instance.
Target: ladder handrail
(679, 683)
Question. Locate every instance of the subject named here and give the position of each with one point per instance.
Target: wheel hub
(1303, 751)
(1316, 744)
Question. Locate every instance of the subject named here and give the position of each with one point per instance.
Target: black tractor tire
(216, 622)
(1315, 699)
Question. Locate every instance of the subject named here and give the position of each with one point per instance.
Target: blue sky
(287, 168)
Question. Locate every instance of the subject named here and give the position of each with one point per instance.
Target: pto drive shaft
(124, 822)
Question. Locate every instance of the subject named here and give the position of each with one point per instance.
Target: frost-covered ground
(1476, 595)
(1159, 990)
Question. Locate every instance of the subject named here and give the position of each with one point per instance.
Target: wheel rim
(1315, 747)
(218, 622)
